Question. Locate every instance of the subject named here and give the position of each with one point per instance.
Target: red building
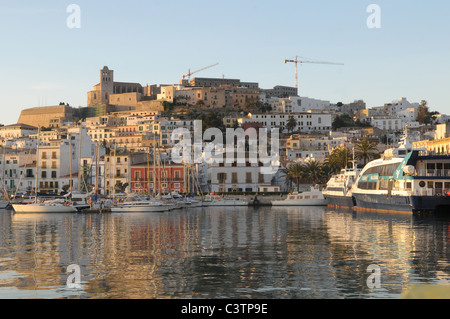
(145, 179)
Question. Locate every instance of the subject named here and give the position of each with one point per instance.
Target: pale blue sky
(42, 61)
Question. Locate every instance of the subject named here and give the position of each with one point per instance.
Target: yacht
(313, 197)
(137, 204)
(404, 180)
(50, 206)
(338, 192)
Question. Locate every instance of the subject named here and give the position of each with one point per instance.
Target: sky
(44, 62)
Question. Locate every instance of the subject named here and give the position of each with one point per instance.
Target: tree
(342, 121)
(295, 173)
(339, 158)
(312, 171)
(291, 124)
(423, 113)
(366, 150)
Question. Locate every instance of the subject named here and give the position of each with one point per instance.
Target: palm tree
(326, 173)
(295, 172)
(366, 150)
(339, 158)
(312, 171)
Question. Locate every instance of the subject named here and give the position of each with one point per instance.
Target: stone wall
(42, 116)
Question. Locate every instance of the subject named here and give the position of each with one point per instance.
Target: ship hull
(410, 204)
(383, 203)
(339, 201)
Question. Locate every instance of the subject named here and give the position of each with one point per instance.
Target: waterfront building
(240, 175)
(118, 170)
(149, 179)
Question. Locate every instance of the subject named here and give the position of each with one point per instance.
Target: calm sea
(275, 253)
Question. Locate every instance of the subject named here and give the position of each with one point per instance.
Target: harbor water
(220, 252)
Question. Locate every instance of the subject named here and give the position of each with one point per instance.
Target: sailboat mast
(70, 164)
(79, 163)
(37, 165)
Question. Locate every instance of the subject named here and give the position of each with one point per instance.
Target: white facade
(241, 175)
(401, 105)
(16, 131)
(16, 173)
(306, 122)
(297, 104)
(59, 160)
(388, 123)
(408, 115)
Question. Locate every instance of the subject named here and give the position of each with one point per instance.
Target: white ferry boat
(313, 197)
(338, 192)
(404, 180)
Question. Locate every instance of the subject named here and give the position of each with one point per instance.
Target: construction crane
(297, 61)
(190, 73)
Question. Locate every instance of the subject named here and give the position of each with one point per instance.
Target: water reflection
(304, 252)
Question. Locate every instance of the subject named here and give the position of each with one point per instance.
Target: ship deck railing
(433, 173)
(429, 192)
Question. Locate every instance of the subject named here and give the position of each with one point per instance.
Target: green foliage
(311, 172)
(291, 124)
(210, 119)
(366, 150)
(339, 158)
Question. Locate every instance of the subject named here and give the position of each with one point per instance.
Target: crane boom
(296, 61)
(206, 67)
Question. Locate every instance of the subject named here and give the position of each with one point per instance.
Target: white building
(59, 159)
(408, 115)
(240, 175)
(16, 131)
(92, 172)
(388, 123)
(306, 122)
(297, 104)
(17, 168)
(401, 105)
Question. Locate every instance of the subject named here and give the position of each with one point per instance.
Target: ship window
(306, 197)
(438, 185)
(430, 185)
(422, 184)
(447, 185)
(408, 185)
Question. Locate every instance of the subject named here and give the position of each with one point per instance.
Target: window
(53, 174)
(221, 177)
(44, 174)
